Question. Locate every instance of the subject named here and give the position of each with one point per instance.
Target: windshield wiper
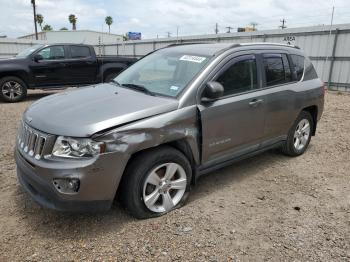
(138, 88)
(115, 82)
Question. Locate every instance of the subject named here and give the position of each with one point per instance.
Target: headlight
(77, 147)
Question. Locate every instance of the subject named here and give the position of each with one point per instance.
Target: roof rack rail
(187, 43)
(226, 48)
(269, 43)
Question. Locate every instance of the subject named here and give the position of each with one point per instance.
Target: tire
(144, 181)
(300, 131)
(110, 76)
(12, 89)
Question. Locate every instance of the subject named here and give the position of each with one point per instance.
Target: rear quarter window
(303, 66)
(310, 72)
(298, 62)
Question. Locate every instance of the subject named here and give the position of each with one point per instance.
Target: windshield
(28, 51)
(165, 72)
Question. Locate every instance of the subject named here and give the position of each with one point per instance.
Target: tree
(109, 22)
(73, 20)
(34, 16)
(64, 29)
(47, 28)
(126, 37)
(40, 20)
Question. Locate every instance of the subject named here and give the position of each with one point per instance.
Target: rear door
(279, 83)
(51, 70)
(234, 124)
(82, 65)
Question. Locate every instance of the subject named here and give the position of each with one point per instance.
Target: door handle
(255, 102)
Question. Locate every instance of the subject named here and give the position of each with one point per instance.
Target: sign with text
(134, 35)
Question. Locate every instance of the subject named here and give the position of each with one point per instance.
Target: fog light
(67, 185)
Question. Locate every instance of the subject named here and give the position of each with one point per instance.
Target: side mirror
(38, 57)
(213, 90)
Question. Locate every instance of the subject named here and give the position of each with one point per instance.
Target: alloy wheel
(301, 134)
(164, 187)
(12, 89)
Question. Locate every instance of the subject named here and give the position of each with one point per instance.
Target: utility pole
(229, 29)
(216, 28)
(254, 25)
(283, 26)
(177, 34)
(168, 34)
(326, 60)
(34, 11)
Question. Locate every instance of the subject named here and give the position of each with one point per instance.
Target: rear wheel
(13, 89)
(156, 182)
(299, 135)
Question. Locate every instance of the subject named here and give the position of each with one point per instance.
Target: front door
(233, 125)
(51, 70)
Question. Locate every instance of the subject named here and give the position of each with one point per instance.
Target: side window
(239, 77)
(79, 51)
(274, 70)
(298, 62)
(52, 53)
(310, 72)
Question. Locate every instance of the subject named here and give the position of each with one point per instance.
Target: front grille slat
(26, 141)
(32, 144)
(31, 141)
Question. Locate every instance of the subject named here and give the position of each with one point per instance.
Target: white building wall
(77, 37)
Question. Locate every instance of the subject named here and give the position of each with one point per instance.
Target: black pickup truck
(56, 66)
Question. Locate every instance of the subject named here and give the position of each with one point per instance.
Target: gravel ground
(270, 207)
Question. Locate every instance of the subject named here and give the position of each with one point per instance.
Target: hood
(85, 111)
(11, 60)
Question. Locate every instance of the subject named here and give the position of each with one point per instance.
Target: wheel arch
(181, 145)
(313, 110)
(19, 74)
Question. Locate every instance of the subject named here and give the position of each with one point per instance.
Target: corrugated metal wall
(328, 48)
(10, 47)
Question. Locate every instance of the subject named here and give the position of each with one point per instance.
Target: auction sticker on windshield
(192, 58)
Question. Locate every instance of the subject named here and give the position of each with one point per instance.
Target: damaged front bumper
(98, 181)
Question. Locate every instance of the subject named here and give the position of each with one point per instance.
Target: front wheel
(13, 89)
(156, 182)
(299, 135)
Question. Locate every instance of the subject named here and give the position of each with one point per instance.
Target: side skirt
(199, 171)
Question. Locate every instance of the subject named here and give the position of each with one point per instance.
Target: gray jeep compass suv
(174, 115)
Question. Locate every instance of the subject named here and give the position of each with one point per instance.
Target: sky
(158, 17)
